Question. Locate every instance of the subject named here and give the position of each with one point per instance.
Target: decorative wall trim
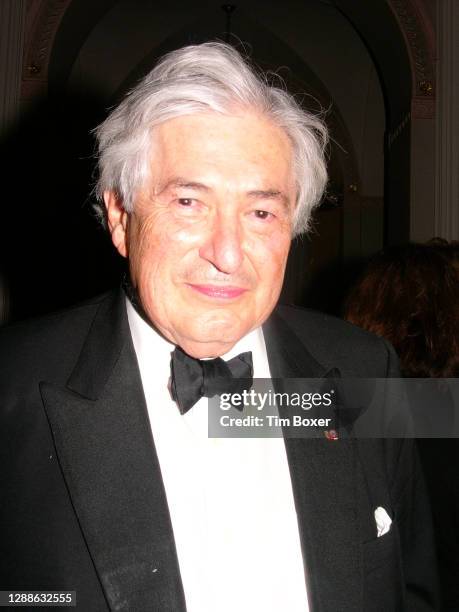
(422, 107)
(420, 42)
(447, 126)
(12, 16)
(395, 133)
(44, 18)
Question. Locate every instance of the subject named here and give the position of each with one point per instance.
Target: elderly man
(112, 488)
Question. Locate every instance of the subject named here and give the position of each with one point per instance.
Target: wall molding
(43, 20)
(12, 16)
(395, 133)
(447, 124)
(420, 42)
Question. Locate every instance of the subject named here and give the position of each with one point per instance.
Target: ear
(117, 219)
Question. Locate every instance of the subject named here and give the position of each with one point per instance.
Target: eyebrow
(270, 194)
(265, 194)
(182, 182)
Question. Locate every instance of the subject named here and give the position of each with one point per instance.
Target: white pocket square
(383, 521)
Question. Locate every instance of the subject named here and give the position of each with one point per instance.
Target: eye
(188, 208)
(262, 214)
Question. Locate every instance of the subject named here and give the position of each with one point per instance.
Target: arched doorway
(100, 47)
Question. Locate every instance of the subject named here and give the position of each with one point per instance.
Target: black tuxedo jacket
(83, 506)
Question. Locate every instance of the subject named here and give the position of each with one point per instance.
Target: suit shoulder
(46, 345)
(314, 321)
(335, 342)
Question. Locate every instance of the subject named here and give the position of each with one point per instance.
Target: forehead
(237, 146)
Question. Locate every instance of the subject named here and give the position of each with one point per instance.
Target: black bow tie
(192, 378)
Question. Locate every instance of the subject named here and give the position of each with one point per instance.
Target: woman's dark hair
(410, 296)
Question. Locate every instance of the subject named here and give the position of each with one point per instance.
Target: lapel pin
(331, 434)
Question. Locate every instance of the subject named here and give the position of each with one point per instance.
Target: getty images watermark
(274, 409)
(337, 408)
(267, 403)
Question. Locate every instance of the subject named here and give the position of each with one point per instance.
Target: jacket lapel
(105, 448)
(323, 474)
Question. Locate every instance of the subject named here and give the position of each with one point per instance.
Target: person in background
(409, 295)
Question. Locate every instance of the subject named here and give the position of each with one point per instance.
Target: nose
(223, 246)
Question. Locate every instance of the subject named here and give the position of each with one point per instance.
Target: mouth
(227, 292)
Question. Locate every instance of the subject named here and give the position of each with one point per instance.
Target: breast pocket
(382, 573)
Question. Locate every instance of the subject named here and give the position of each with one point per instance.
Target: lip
(226, 292)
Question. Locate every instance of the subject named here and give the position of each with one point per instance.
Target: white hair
(211, 77)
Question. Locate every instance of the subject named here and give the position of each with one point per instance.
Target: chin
(206, 344)
(205, 350)
(224, 333)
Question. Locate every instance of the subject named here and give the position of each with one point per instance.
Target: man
(112, 488)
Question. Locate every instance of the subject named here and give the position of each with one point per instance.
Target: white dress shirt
(230, 500)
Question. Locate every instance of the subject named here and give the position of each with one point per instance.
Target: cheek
(166, 236)
(148, 251)
(160, 248)
(269, 257)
